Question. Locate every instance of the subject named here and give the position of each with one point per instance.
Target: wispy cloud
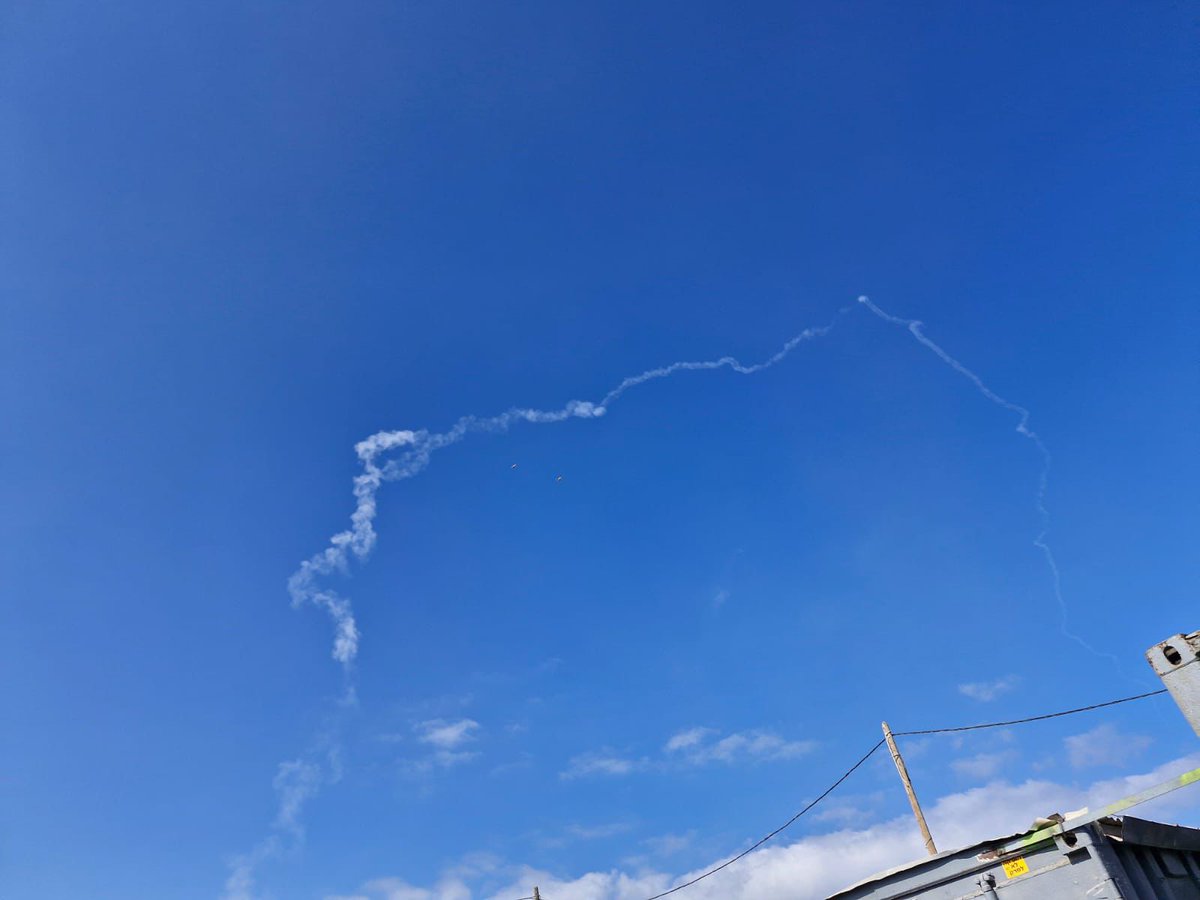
(598, 832)
(689, 738)
(669, 844)
(449, 741)
(602, 763)
(1104, 745)
(851, 810)
(986, 691)
(700, 746)
(982, 766)
(449, 888)
(522, 762)
(446, 735)
(578, 832)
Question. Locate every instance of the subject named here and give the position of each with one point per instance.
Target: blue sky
(241, 238)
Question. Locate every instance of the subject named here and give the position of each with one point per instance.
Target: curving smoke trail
(1023, 429)
(396, 455)
(416, 448)
(298, 781)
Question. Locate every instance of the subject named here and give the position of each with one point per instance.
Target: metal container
(1109, 858)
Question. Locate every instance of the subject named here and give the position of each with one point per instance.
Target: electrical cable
(871, 753)
(1055, 715)
(829, 790)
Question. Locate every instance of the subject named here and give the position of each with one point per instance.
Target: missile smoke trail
(300, 780)
(914, 327)
(417, 448)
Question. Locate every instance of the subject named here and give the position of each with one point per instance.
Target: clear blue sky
(240, 237)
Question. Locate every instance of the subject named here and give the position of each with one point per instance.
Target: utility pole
(1177, 662)
(536, 895)
(908, 789)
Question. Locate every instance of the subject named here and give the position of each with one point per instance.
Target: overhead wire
(1054, 715)
(829, 790)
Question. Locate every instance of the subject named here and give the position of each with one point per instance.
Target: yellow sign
(1015, 867)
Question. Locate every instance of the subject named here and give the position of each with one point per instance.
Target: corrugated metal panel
(1113, 859)
(1160, 860)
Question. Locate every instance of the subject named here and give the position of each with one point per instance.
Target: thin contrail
(1023, 429)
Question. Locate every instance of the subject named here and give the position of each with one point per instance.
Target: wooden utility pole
(908, 789)
(536, 895)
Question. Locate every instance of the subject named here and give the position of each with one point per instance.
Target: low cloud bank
(815, 865)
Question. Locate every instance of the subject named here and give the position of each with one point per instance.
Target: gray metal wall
(1128, 859)
(1159, 860)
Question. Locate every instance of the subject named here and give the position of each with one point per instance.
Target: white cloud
(439, 759)
(817, 865)
(689, 738)
(446, 738)
(446, 735)
(985, 691)
(601, 763)
(449, 888)
(719, 598)
(669, 844)
(1104, 745)
(852, 809)
(694, 747)
(596, 832)
(981, 765)
(524, 761)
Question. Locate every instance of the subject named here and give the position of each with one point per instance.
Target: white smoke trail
(666, 371)
(299, 781)
(1023, 429)
(417, 448)
(296, 782)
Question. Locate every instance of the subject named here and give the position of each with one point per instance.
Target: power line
(829, 790)
(1054, 715)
